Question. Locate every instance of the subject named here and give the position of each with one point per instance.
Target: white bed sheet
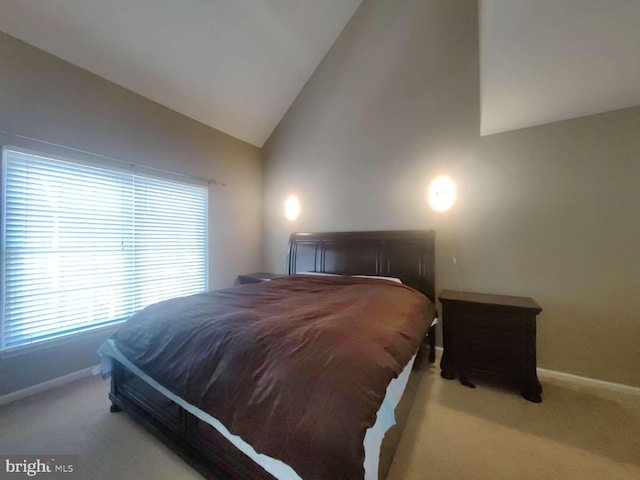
(372, 441)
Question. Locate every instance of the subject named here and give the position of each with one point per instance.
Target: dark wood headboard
(406, 254)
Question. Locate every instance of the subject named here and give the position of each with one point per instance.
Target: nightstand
(256, 277)
(492, 336)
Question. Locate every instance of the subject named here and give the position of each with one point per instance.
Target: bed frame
(407, 254)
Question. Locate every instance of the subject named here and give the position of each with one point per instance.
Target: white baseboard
(41, 387)
(589, 382)
(585, 381)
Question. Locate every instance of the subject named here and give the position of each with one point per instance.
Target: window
(85, 247)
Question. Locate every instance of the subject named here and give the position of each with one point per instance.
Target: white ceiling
(548, 60)
(237, 65)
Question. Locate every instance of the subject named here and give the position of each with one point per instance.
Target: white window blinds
(84, 247)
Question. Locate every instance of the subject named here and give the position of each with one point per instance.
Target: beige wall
(394, 103)
(554, 212)
(49, 99)
(549, 212)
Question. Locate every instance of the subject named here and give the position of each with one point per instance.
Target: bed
(204, 442)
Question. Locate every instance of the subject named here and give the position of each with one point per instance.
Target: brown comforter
(297, 367)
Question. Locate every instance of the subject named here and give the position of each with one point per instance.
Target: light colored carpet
(577, 432)
(453, 433)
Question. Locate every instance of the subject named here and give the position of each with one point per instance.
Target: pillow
(393, 279)
(322, 274)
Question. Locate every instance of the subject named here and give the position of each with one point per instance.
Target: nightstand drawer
(491, 350)
(489, 336)
(500, 359)
(491, 318)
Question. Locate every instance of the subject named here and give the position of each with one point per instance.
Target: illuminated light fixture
(442, 194)
(292, 207)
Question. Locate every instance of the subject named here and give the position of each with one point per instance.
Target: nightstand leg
(464, 380)
(447, 367)
(446, 374)
(115, 408)
(532, 392)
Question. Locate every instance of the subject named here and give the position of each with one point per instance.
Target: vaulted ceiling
(237, 65)
(548, 60)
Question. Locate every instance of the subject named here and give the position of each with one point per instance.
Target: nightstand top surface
(489, 299)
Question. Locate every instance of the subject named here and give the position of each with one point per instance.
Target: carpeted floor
(453, 433)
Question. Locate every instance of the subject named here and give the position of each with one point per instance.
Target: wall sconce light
(292, 207)
(442, 193)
